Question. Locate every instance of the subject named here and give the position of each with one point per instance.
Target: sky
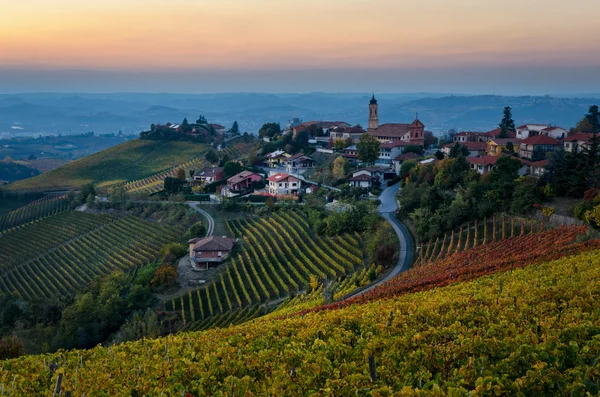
(466, 46)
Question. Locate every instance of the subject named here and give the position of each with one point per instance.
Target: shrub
(176, 249)
(196, 230)
(164, 276)
(11, 347)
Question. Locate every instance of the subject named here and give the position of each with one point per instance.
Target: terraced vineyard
(277, 258)
(240, 150)
(58, 255)
(532, 331)
(155, 183)
(34, 211)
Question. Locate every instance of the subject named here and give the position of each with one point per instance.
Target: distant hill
(133, 112)
(128, 161)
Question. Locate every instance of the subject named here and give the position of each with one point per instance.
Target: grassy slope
(128, 161)
(531, 331)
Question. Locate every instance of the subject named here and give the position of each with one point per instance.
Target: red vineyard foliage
(477, 262)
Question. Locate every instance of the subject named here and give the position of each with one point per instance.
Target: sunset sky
(309, 45)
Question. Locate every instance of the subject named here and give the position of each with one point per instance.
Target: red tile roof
(540, 140)
(541, 163)
(394, 130)
(242, 176)
(579, 136)
(213, 243)
(470, 145)
(393, 144)
(281, 176)
(483, 160)
(406, 156)
(361, 177)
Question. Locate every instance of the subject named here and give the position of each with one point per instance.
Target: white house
(283, 184)
(390, 150)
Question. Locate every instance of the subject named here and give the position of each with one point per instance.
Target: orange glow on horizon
(238, 34)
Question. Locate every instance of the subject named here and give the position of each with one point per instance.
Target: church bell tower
(373, 114)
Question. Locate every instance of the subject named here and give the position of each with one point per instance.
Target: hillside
(128, 161)
(527, 331)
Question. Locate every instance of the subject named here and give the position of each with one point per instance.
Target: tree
(339, 144)
(196, 230)
(406, 167)
(417, 149)
(180, 173)
(368, 148)
(201, 120)
(232, 168)
(185, 122)
(510, 148)
(538, 154)
(459, 150)
(340, 166)
(211, 156)
(526, 195)
(593, 151)
(439, 155)
(302, 138)
(235, 128)
(348, 142)
(173, 185)
(269, 130)
(191, 172)
(507, 124)
(429, 139)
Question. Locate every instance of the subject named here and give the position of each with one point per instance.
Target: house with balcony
(282, 184)
(209, 251)
(243, 181)
(276, 159)
(539, 142)
(298, 161)
(363, 181)
(390, 150)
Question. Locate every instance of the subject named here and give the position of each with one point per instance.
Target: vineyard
(58, 255)
(486, 259)
(33, 211)
(477, 233)
(128, 161)
(276, 260)
(529, 331)
(154, 183)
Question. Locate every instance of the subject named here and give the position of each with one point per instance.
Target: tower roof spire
(373, 101)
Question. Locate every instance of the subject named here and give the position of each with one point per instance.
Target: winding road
(387, 210)
(210, 225)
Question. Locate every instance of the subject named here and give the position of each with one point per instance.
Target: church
(413, 134)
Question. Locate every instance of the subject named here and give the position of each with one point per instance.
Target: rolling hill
(128, 161)
(519, 331)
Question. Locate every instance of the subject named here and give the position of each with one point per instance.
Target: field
(278, 255)
(533, 330)
(128, 161)
(59, 254)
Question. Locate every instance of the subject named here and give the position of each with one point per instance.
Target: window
(220, 254)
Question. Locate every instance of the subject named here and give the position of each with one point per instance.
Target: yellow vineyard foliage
(529, 331)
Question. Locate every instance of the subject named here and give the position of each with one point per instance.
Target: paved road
(210, 226)
(387, 209)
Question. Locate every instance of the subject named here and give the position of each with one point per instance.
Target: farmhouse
(373, 172)
(209, 174)
(483, 164)
(283, 184)
(209, 251)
